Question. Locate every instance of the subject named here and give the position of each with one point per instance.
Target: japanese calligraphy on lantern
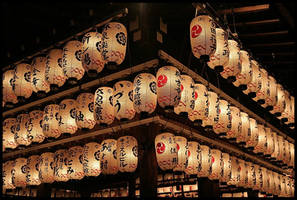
(127, 153)
(103, 105)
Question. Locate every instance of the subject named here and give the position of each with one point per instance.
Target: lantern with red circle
(50, 121)
(34, 126)
(38, 82)
(235, 123)
(261, 94)
(19, 172)
(192, 154)
(108, 157)
(271, 93)
(235, 169)
(8, 139)
(261, 147)
(91, 159)
(7, 88)
(7, 172)
(245, 134)
(46, 167)
(217, 165)
(75, 163)
(223, 119)
(85, 111)
(255, 84)
(213, 110)
(21, 83)
(103, 106)
(245, 74)
(127, 153)
(67, 116)
(182, 153)
(226, 168)
(61, 157)
(204, 161)
(21, 132)
(270, 142)
(279, 107)
(32, 177)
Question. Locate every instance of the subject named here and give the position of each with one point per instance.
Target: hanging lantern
(50, 122)
(226, 168)
(166, 151)
(204, 161)
(71, 61)
(60, 165)
(203, 37)
(32, 177)
(213, 111)
(54, 74)
(261, 94)
(271, 93)
(242, 173)
(85, 111)
(291, 117)
(34, 126)
(91, 161)
(245, 134)
(276, 146)
(7, 170)
(223, 118)
(104, 111)
(234, 178)
(192, 154)
(292, 155)
(46, 167)
(19, 172)
(283, 192)
(254, 137)
(221, 56)
(217, 165)
(182, 153)
(145, 93)
(265, 185)
(255, 84)
(258, 180)
(21, 132)
(108, 157)
(7, 87)
(123, 100)
(279, 107)
(235, 123)
(280, 155)
(286, 158)
(92, 59)
(75, 163)
(261, 147)
(67, 116)
(38, 82)
(8, 139)
(270, 142)
(277, 184)
(272, 186)
(250, 175)
(285, 114)
(127, 153)
(270, 183)
(245, 74)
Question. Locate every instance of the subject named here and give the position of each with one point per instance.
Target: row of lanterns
(90, 55)
(109, 157)
(225, 56)
(177, 154)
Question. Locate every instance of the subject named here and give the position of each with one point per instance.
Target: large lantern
(270, 183)
(203, 37)
(261, 94)
(226, 168)
(292, 155)
(38, 82)
(245, 134)
(255, 84)
(46, 167)
(217, 165)
(261, 147)
(22, 81)
(67, 116)
(253, 140)
(92, 59)
(242, 173)
(213, 110)
(21, 132)
(71, 61)
(258, 178)
(286, 158)
(85, 111)
(193, 151)
(7, 169)
(20, 172)
(108, 157)
(60, 167)
(204, 161)
(279, 107)
(283, 185)
(75, 163)
(271, 93)
(34, 126)
(281, 146)
(270, 142)
(235, 123)
(265, 179)
(245, 74)
(182, 153)
(291, 117)
(123, 100)
(127, 153)
(32, 177)
(166, 151)
(277, 183)
(168, 87)
(103, 106)
(250, 175)
(234, 178)
(223, 118)
(7, 84)
(273, 156)
(145, 93)
(8, 139)
(286, 112)
(91, 161)
(50, 122)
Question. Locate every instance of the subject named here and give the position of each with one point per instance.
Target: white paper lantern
(286, 158)
(193, 151)
(8, 139)
(200, 111)
(104, 111)
(60, 165)
(279, 107)
(281, 146)
(7, 170)
(226, 168)
(217, 165)
(123, 100)
(291, 117)
(261, 147)
(108, 157)
(145, 93)
(46, 167)
(235, 123)
(22, 80)
(32, 177)
(91, 159)
(127, 154)
(166, 151)
(182, 153)
(85, 111)
(75, 163)
(283, 185)
(38, 82)
(242, 173)
(286, 112)
(204, 161)
(254, 138)
(245, 74)
(245, 133)
(7, 87)
(292, 155)
(265, 180)
(67, 116)
(20, 172)
(213, 111)
(271, 93)
(270, 183)
(50, 121)
(34, 126)
(234, 178)
(255, 84)
(276, 146)
(261, 94)
(250, 175)
(21, 132)
(270, 142)
(277, 183)
(223, 119)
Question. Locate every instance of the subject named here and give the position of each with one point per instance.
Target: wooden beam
(272, 44)
(264, 34)
(260, 22)
(275, 53)
(246, 9)
(280, 62)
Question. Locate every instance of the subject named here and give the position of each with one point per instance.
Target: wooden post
(208, 188)
(44, 190)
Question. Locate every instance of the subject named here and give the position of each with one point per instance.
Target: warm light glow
(85, 111)
(279, 107)
(276, 145)
(261, 147)
(235, 176)
(280, 155)
(223, 119)
(34, 126)
(182, 153)
(226, 168)
(8, 139)
(50, 123)
(193, 151)
(22, 80)
(245, 134)
(46, 167)
(200, 111)
(245, 74)
(255, 84)
(21, 132)
(127, 153)
(258, 178)
(242, 173)
(91, 159)
(213, 111)
(67, 116)
(270, 141)
(38, 82)
(7, 174)
(254, 138)
(285, 114)
(286, 158)
(271, 92)
(32, 177)
(103, 105)
(75, 163)
(60, 167)
(291, 117)
(261, 94)
(204, 161)
(108, 157)
(235, 123)
(265, 180)
(217, 165)
(19, 172)
(7, 87)
(292, 155)
(250, 175)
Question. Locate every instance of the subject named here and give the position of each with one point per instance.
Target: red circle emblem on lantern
(196, 95)
(212, 159)
(181, 87)
(177, 146)
(196, 30)
(160, 147)
(188, 152)
(162, 80)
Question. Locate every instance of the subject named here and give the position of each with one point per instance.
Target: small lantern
(283, 186)
(8, 139)
(203, 37)
(261, 147)
(242, 173)
(192, 154)
(291, 117)
(108, 157)
(213, 111)
(245, 134)
(22, 81)
(127, 153)
(92, 59)
(46, 167)
(114, 43)
(226, 168)
(258, 178)
(255, 84)
(21, 132)
(91, 161)
(34, 126)
(19, 172)
(279, 107)
(292, 155)
(85, 111)
(182, 153)
(270, 183)
(261, 94)
(204, 161)
(270, 142)
(277, 183)
(280, 155)
(223, 118)
(276, 146)
(217, 165)
(50, 121)
(123, 100)
(285, 114)
(271, 93)
(7, 170)
(38, 82)
(145, 93)
(75, 163)
(235, 123)
(254, 138)
(286, 158)
(245, 74)
(71, 61)
(67, 116)
(7, 90)
(60, 165)
(32, 177)
(234, 178)
(104, 111)
(250, 175)
(265, 179)
(166, 151)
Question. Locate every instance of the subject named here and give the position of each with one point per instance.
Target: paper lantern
(245, 74)
(235, 123)
(258, 180)
(277, 184)
(145, 93)
(261, 147)
(168, 86)
(270, 183)
(204, 161)
(38, 82)
(291, 117)
(203, 37)
(242, 173)
(71, 61)
(250, 175)
(19, 172)
(108, 157)
(127, 153)
(50, 121)
(7, 87)
(261, 94)
(193, 151)
(255, 84)
(123, 100)
(182, 153)
(60, 165)
(234, 178)
(245, 134)
(91, 161)
(292, 155)
(271, 93)
(223, 119)
(270, 142)
(22, 81)
(34, 126)
(265, 185)
(92, 59)
(67, 116)
(8, 139)
(226, 168)
(217, 165)
(75, 163)
(221, 56)
(283, 186)
(104, 111)
(285, 114)
(166, 151)
(213, 111)
(7, 170)
(276, 146)
(32, 177)
(46, 167)
(281, 146)
(85, 111)
(279, 107)
(21, 132)
(254, 138)
(54, 74)
(286, 158)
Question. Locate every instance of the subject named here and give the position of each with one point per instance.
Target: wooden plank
(265, 34)
(260, 22)
(272, 44)
(246, 9)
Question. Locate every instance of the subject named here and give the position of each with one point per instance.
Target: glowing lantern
(108, 157)
(276, 146)
(280, 155)
(85, 111)
(7, 170)
(279, 107)
(245, 134)
(283, 192)
(285, 114)
(7, 84)
(254, 137)
(22, 81)
(213, 110)
(270, 183)
(255, 84)
(286, 158)
(271, 93)
(182, 153)
(50, 122)
(8, 139)
(75, 163)
(245, 74)
(91, 161)
(277, 183)
(71, 61)
(103, 111)
(217, 165)
(32, 177)
(234, 178)
(204, 161)
(127, 153)
(34, 126)
(21, 132)
(145, 93)
(242, 173)
(235, 123)
(292, 155)
(19, 172)
(223, 118)
(261, 94)
(46, 167)
(166, 151)
(168, 87)
(226, 168)
(67, 116)
(258, 180)
(193, 151)
(291, 117)
(250, 175)
(92, 59)
(270, 142)
(261, 147)
(38, 82)
(60, 165)
(265, 179)
(123, 100)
